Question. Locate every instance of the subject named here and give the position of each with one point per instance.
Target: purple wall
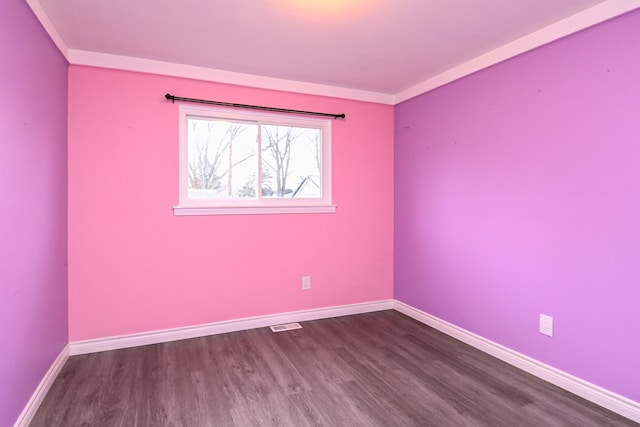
(33, 206)
(517, 192)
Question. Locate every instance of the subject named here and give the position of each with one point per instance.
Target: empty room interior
(434, 203)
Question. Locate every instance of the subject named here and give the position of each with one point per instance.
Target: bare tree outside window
(293, 156)
(217, 152)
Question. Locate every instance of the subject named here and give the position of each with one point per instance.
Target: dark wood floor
(375, 369)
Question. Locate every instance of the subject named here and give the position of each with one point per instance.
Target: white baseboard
(156, 337)
(612, 401)
(33, 404)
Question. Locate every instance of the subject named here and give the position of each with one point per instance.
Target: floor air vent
(287, 327)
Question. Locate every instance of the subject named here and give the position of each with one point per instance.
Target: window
(250, 162)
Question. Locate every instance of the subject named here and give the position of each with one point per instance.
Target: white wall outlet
(306, 282)
(546, 325)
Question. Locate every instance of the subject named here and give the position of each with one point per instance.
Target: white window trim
(188, 206)
(182, 211)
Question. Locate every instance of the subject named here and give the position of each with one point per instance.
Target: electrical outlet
(306, 283)
(546, 325)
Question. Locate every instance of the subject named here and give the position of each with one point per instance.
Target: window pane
(223, 159)
(291, 162)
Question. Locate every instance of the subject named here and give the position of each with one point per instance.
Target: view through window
(234, 159)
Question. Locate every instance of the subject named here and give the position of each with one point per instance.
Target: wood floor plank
(374, 369)
(281, 370)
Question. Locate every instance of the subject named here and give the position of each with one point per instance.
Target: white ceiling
(379, 50)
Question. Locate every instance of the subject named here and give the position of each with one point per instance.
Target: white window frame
(260, 205)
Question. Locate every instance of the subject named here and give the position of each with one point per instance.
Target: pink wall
(136, 267)
(33, 206)
(517, 192)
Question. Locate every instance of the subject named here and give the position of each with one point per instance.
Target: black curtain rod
(252, 107)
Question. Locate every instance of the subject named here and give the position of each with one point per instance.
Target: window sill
(254, 210)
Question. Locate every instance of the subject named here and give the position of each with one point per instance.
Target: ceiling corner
(580, 21)
(42, 16)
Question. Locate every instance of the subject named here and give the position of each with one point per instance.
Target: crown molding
(49, 27)
(580, 21)
(95, 59)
